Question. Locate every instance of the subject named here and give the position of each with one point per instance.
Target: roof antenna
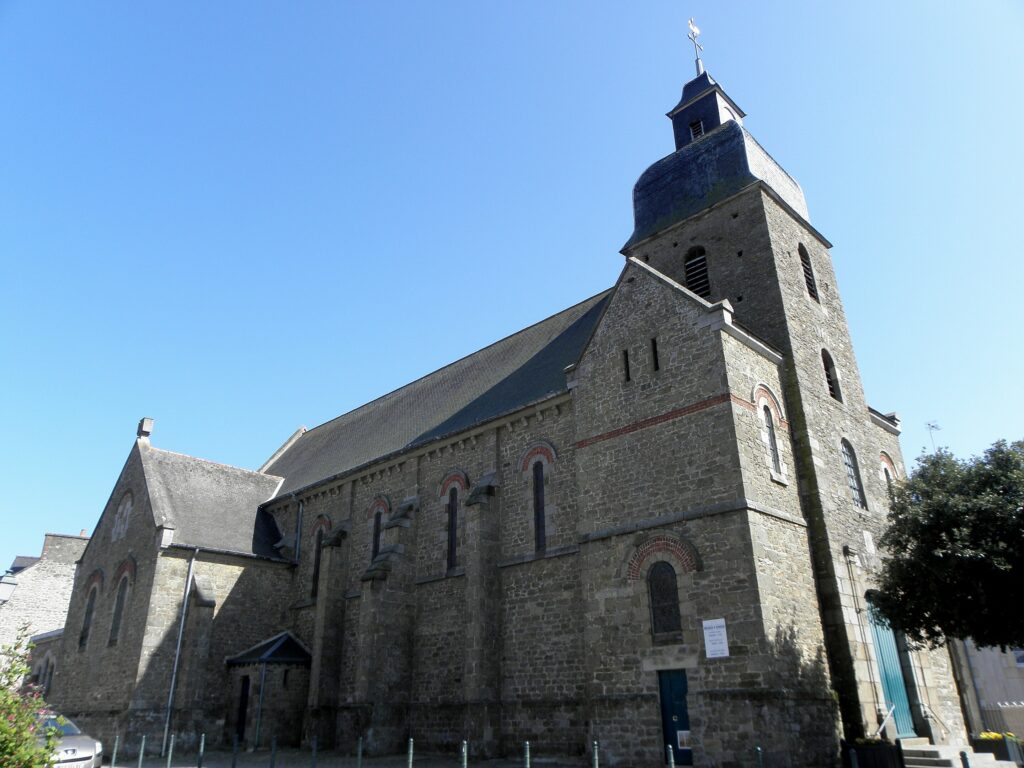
(932, 428)
(697, 47)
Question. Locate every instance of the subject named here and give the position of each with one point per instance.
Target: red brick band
(535, 451)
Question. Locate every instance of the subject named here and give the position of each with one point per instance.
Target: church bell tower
(723, 219)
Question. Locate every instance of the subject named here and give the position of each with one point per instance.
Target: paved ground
(290, 758)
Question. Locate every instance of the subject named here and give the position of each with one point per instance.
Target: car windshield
(64, 726)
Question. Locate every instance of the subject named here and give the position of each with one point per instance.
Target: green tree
(22, 744)
(955, 549)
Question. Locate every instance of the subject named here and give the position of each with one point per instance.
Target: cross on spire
(697, 47)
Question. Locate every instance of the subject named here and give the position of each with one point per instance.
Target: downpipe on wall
(177, 649)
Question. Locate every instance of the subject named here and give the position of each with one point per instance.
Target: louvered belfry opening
(695, 271)
(696, 129)
(831, 379)
(853, 476)
(805, 262)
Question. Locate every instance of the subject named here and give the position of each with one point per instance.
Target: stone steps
(918, 753)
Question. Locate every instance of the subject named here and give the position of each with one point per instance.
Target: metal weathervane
(697, 47)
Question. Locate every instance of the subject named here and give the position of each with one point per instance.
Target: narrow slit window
(317, 551)
(695, 271)
(539, 522)
(663, 589)
(90, 607)
(831, 378)
(115, 622)
(888, 478)
(625, 363)
(773, 443)
(654, 355)
(453, 527)
(375, 550)
(805, 262)
(853, 476)
(696, 129)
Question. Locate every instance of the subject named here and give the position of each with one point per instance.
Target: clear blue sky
(240, 217)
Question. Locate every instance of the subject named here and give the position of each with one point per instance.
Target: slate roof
(524, 368)
(702, 173)
(210, 505)
(279, 649)
(21, 562)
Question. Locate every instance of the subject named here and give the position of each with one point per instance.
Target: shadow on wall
(804, 730)
(204, 695)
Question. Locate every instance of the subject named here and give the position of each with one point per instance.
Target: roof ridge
(220, 464)
(454, 362)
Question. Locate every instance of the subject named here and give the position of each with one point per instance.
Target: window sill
(451, 573)
(570, 549)
(667, 638)
(777, 478)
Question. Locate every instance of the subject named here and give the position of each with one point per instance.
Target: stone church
(647, 520)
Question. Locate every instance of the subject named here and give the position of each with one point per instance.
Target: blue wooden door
(675, 719)
(893, 684)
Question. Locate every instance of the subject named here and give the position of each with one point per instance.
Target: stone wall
(40, 601)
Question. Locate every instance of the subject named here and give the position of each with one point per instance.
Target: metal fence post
(854, 762)
(142, 749)
(410, 752)
(465, 754)
(202, 750)
(526, 754)
(113, 757)
(671, 756)
(273, 751)
(234, 750)
(313, 761)
(964, 760)
(359, 753)
(760, 757)
(170, 751)
(597, 759)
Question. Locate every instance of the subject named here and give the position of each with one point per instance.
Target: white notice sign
(716, 643)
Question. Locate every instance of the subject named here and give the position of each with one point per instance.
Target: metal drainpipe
(849, 555)
(177, 650)
(259, 706)
(298, 527)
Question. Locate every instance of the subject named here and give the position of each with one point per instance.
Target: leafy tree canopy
(955, 549)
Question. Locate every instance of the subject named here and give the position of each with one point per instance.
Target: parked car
(73, 749)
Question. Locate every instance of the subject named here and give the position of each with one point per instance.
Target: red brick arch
(762, 390)
(454, 477)
(127, 566)
(95, 580)
(541, 449)
(323, 523)
(379, 504)
(661, 544)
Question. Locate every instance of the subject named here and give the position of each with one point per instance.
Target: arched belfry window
(695, 271)
(539, 522)
(805, 262)
(773, 443)
(453, 527)
(853, 475)
(90, 607)
(831, 377)
(664, 593)
(119, 601)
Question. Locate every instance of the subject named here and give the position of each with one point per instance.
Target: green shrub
(22, 744)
